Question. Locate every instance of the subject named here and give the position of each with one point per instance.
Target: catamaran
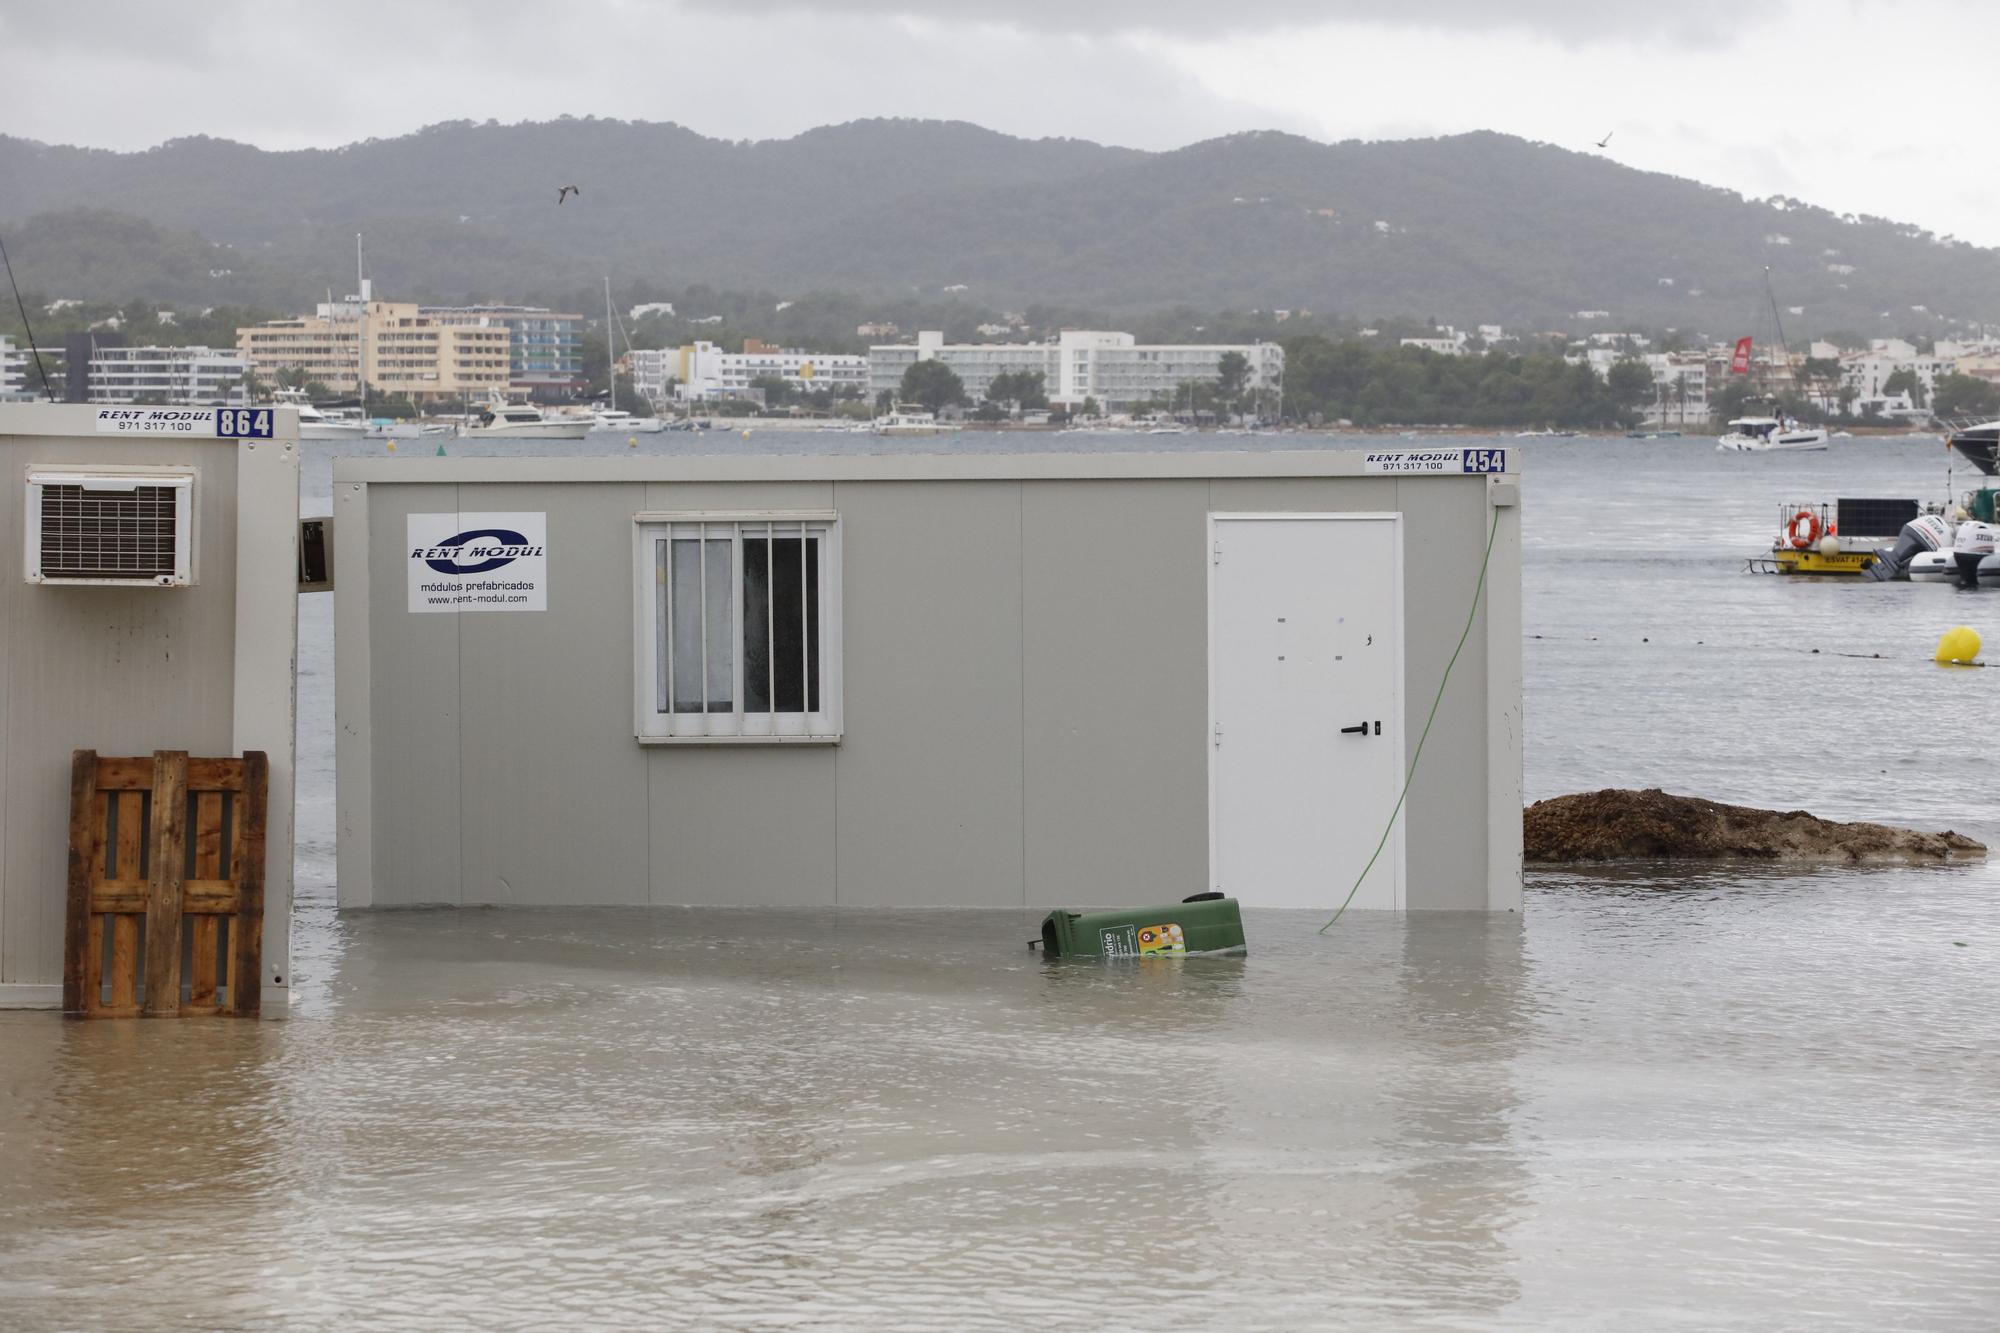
(1758, 434)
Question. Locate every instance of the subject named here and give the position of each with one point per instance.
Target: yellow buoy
(746, 432)
(1960, 645)
(631, 442)
(392, 446)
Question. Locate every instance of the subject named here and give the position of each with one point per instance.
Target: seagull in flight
(1605, 140)
(563, 194)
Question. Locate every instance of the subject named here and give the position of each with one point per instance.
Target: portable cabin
(148, 593)
(966, 679)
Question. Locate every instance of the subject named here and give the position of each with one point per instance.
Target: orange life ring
(1811, 535)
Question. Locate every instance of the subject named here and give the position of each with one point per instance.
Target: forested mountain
(1473, 228)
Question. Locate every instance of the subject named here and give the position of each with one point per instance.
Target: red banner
(1740, 363)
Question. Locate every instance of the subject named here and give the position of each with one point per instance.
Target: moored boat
(1979, 442)
(1758, 435)
(524, 421)
(904, 419)
(624, 422)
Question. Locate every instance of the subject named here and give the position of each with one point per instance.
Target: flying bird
(563, 194)
(1605, 140)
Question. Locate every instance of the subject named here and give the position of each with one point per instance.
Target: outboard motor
(1973, 544)
(1926, 532)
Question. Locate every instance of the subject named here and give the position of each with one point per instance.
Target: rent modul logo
(478, 562)
(480, 551)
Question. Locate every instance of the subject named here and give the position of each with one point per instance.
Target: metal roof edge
(864, 467)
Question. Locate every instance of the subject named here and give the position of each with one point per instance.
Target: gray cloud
(1686, 22)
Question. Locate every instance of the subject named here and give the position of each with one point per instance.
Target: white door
(1305, 708)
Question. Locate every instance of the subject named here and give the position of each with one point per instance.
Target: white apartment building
(1081, 364)
(707, 372)
(651, 368)
(1680, 387)
(1867, 372)
(13, 373)
(1442, 346)
(168, 375)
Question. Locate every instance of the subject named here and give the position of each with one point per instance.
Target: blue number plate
(243, 423)
(1485, 460)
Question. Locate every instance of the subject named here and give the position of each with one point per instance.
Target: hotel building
(544, 349)
(170, 375)
(1112, 368)
(706, 372)
(407, 351)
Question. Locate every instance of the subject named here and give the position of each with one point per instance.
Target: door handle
(1360, 730)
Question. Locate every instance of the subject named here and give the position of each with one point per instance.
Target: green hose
(1478, 589)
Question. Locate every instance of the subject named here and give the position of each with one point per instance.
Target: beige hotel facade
(407, 352)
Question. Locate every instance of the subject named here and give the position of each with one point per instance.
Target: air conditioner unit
(111, 527)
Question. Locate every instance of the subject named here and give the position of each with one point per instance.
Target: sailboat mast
(360, 326)
(610, 347)
(1778, 323)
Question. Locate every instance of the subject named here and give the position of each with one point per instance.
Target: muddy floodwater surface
(1718, 1097)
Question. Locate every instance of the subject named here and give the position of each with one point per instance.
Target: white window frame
(651, 726)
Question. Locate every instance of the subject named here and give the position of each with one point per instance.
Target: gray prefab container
(964, 680)
(199, 658)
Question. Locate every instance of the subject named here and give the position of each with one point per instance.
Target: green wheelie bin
(1206, 923)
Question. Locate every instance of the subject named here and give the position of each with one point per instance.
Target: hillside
(1473, 228)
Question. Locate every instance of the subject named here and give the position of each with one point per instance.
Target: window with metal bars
(739, 627)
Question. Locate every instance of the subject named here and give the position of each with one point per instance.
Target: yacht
(625, 423)
(1979, 441)
(524, 421)
(904, 419)
(315, 424)
(1758, 435)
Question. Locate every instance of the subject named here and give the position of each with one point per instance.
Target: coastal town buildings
(1114, 369)
(544, 347)
(1447, 346)
(167, 375)
(704, 372)
(407, 351)
(1866, 373)
(1680, 387)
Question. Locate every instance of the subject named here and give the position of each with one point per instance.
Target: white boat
(625, 423)
(315, 424)
(524, 421)
(904, 419)
(1759, 435)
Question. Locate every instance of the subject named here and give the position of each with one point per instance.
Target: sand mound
(1616, 825)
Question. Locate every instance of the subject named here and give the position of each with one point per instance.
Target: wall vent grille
(109, 529)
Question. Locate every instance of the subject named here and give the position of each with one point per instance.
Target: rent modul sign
(478, 562)
(1436, 461)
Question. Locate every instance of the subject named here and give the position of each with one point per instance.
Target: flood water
(1722, 1098)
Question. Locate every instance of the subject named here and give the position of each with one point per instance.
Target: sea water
(1728, 1097)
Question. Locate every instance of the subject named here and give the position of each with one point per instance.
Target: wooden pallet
(134, 872)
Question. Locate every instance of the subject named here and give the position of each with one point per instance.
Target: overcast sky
(1859, 105)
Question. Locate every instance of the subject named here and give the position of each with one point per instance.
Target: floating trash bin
(1207, 923)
